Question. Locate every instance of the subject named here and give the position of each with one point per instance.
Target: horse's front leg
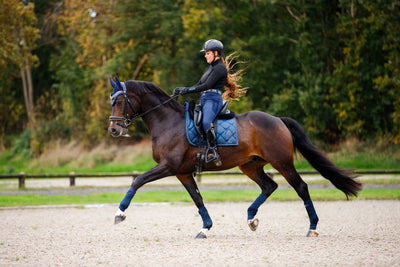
(158, 172)
(190, 184)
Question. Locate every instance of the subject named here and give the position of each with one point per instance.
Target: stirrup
(212, 155)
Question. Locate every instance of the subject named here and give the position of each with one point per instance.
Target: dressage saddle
(196, 114)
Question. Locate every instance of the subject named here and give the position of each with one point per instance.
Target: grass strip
(182, 196)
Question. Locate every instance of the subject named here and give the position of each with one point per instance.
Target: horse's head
(123, 111)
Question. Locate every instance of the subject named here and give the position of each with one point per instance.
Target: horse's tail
(341, 179)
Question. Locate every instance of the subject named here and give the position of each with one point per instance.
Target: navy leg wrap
(207, 222)
(311, 214)
(252, 210)
(127, 199)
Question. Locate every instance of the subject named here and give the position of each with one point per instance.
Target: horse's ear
(112, 82)
(118, 83)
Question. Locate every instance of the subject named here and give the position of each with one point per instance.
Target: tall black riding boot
(212, 153)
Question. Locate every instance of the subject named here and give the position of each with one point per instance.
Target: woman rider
(215, 78)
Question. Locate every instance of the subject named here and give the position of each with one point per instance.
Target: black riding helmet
(213, 45)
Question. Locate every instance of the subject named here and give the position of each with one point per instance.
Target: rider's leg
(211, 103)
(212, 144)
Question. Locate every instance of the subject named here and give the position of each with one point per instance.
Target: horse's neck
(163, 118)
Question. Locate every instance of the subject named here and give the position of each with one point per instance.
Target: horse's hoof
(119, 216)
(253, 224)
(312, 233)
(119, 219)
(202, 234)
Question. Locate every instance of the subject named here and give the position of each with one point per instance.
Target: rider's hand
(180, 90)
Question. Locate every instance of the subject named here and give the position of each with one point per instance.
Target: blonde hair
(233, 89)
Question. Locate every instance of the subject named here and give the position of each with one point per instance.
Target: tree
(18, 38)
(365, 84)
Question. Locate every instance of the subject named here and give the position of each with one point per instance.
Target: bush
(22, 144)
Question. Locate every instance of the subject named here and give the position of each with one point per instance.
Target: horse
(263, 139)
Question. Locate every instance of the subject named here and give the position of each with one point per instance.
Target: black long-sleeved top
(214, 77)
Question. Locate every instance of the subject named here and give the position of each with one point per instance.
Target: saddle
(196, 114)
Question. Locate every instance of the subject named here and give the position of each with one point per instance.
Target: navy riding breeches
(211, 103)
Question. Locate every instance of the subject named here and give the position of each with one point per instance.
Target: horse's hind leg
(289, 172)
(254, 170)
(190, 184)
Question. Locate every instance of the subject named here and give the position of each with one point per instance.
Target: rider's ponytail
(233, 90)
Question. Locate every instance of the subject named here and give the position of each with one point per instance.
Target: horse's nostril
(112, 130)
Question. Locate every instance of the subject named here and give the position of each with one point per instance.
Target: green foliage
(18, 37)
(12, 109)
(15, 159)
(364, 87)
(22, 144)
(18, 34)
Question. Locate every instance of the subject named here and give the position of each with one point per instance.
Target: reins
(128, 121)
(154, 108)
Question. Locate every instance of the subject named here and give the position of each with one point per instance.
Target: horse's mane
(141, 87)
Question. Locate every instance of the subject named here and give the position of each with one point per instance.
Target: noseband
(128, 104)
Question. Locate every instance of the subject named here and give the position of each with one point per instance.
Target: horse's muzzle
(117, 131)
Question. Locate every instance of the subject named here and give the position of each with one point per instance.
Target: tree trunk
(27, 85)
(25, 88)
(173, 55)
(140, 65)
(30, 86)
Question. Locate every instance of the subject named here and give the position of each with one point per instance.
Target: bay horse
(263, 139)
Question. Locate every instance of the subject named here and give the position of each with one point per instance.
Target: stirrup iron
(212, 155)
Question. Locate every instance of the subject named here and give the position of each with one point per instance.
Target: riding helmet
(213, 45)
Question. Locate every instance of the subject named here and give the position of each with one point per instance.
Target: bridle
(128, 104)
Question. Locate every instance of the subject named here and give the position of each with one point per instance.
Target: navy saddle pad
(227, 134)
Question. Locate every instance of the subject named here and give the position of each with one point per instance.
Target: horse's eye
(119, 103)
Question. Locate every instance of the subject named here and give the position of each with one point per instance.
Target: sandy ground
(352, 233)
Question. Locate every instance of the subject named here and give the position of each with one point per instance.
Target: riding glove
(180, 90)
